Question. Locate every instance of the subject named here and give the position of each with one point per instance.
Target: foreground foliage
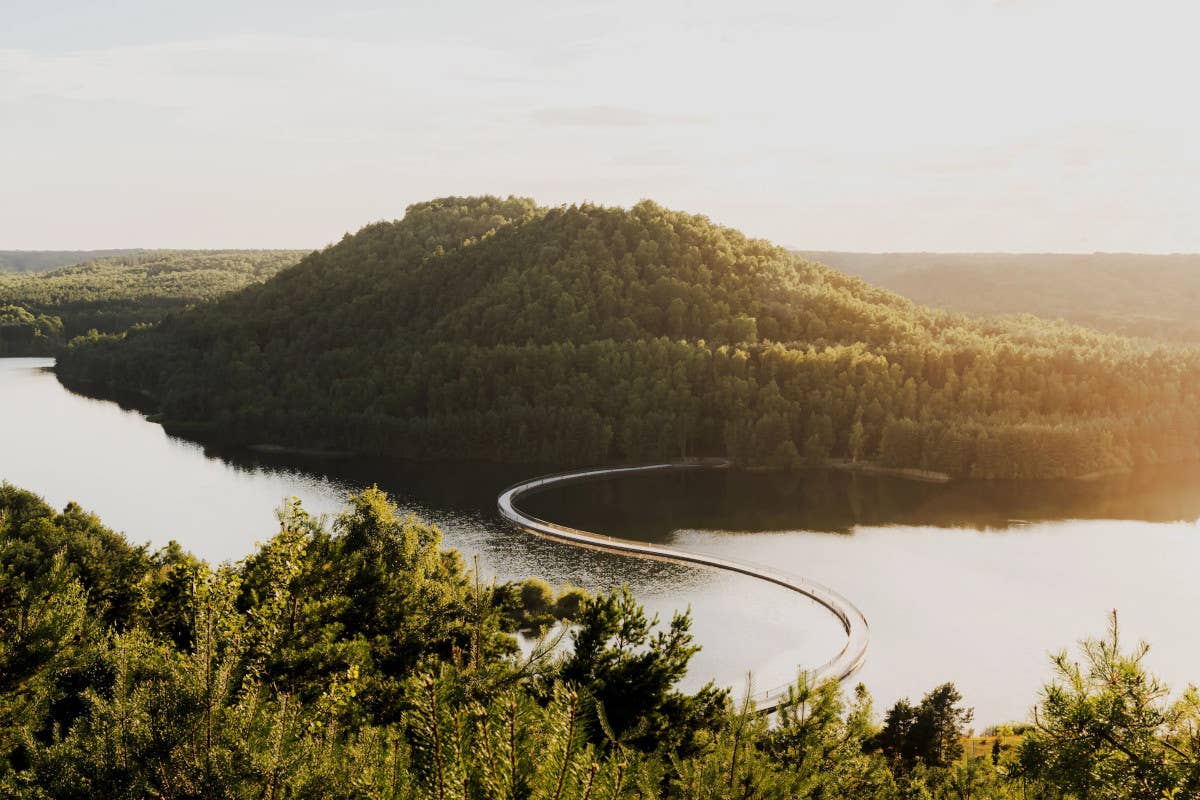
(358, 660)
(496, 329)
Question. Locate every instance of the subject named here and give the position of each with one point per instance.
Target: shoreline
(206, 433)
(861, 467)
(308, 452)
(1101, 474)
(907, 473)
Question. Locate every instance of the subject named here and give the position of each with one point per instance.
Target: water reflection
(655, 505)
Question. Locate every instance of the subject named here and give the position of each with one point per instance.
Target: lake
(971, 582)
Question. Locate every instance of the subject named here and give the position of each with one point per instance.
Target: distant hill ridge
(42, 260)
(1132, 294)
(494, 328)
(41, 311)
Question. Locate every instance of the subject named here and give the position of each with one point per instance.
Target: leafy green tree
(928, 733)
(858, 440)
(732, 764)
(41, 620)
(570, 603)
(629, 670)
(820, 741)
(1106, 728)
(377, 593)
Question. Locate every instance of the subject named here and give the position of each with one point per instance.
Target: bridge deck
(844, 664)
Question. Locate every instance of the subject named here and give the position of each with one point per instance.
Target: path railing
(841, 666)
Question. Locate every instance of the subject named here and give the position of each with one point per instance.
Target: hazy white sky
(1033, 125)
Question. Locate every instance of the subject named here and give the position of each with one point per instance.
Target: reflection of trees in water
(652, 506)
(461, 500)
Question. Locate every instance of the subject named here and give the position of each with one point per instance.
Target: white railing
(844, 664)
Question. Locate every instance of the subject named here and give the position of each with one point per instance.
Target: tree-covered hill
(41, 311)
(495, 329)
(1131, 294)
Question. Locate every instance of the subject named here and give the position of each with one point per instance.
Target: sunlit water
(974, 583)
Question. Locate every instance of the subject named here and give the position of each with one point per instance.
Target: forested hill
(489, 328)
(40, 312)
(1153, 296)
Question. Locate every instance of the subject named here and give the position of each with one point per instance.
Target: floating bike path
(841, 666)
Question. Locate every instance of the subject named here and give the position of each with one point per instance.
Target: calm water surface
(969, 582)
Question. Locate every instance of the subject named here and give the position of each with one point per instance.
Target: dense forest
(40, 260)
(356, 659)
(1151, 296)
(496, 329)
(41, 311)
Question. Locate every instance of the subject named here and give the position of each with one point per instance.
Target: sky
(874, 125)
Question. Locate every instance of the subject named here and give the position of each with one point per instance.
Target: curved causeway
(844, 664)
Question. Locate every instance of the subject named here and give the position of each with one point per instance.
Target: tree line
(43, 260)
(40, 311)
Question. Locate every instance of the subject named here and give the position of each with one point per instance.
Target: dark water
(969, 582)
